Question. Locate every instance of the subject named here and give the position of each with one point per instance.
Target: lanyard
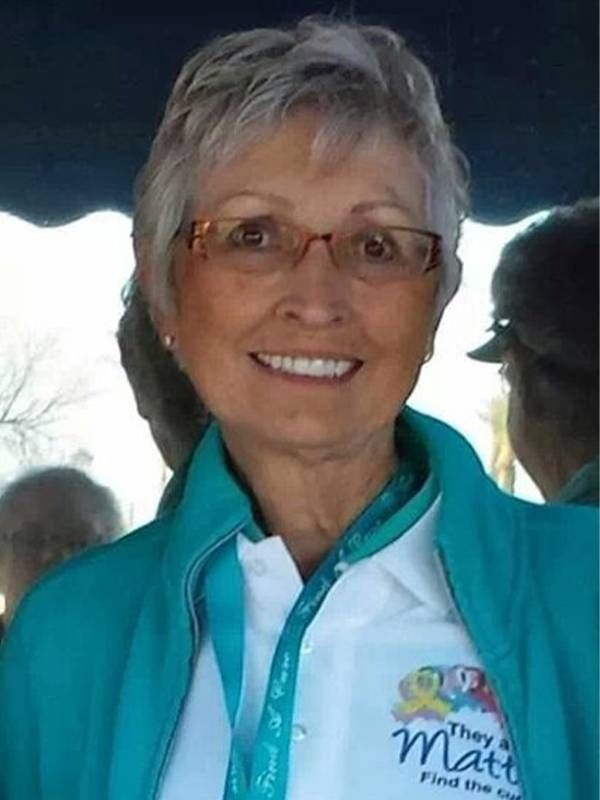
(266, 777)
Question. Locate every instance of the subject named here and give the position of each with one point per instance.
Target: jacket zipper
(191, 576)
(439, 556)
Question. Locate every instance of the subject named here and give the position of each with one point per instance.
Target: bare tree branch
(31, 404)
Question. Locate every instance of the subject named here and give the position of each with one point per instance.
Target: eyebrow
(372, 205)
(359, 208)
(276, 198)
(394, 201)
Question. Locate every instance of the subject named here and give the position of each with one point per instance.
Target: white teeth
(301, 366)
(313, 367)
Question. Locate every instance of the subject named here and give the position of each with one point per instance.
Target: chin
(317, 435)
(301, 433)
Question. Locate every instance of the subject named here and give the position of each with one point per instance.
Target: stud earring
(169, 341)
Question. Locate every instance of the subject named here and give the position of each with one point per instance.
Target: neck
(310, 498)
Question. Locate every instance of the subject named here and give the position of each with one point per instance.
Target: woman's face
(224, 318)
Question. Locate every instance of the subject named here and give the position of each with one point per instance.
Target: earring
(169, 341)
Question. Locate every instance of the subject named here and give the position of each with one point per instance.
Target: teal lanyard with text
(224, 593)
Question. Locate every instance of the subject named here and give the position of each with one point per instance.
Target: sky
(60, 295)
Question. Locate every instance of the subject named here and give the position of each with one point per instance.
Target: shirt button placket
(341, 567)
(258, 567)
(307, 647)
(299, 732)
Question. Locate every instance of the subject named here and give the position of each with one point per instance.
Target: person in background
(342, 604)
(163, 393)
(47, 516)
(545, 335)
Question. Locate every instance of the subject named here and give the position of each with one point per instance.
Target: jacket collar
(213, 505)
(477, 528)
(479, 536)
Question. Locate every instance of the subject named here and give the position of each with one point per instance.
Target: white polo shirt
(391, 701)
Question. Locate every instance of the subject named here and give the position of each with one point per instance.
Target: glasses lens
(254, 243)
(382, 253)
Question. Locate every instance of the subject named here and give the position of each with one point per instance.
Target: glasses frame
(199, 228)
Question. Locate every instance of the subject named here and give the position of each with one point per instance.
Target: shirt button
(298, 733)
(258, 567)
(341, 567)
(307, 647)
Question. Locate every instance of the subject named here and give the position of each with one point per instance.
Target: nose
(317, 293)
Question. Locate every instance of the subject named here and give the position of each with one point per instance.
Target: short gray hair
(46, 516)
(358, 77)
(61, 505)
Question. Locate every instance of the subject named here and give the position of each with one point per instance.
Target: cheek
(217, 314)
(405, 331)
(401, 347)
(208, 313)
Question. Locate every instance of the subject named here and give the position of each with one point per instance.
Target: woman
(341, 605)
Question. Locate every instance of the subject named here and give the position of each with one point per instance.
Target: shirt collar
(412, 561)
(217, 505)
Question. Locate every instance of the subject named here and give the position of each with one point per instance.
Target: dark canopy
(83, 84)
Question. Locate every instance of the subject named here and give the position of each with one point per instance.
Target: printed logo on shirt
(436, 692)
(451, 735)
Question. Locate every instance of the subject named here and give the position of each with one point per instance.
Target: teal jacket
(96, 665)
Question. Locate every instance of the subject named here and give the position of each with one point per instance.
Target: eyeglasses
(265, 244)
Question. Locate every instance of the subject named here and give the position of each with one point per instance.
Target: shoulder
(69, 642)
(566, 528)
(552, 555)
(553, 540)
(556, 537)
(86, 592)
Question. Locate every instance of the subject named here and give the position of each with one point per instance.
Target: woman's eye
(378, 246)
(251, 235)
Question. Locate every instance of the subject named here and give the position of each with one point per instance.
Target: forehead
(296, 162)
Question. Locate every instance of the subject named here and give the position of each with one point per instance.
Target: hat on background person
(545, 291)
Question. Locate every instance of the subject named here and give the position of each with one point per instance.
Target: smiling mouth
(321, 368)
